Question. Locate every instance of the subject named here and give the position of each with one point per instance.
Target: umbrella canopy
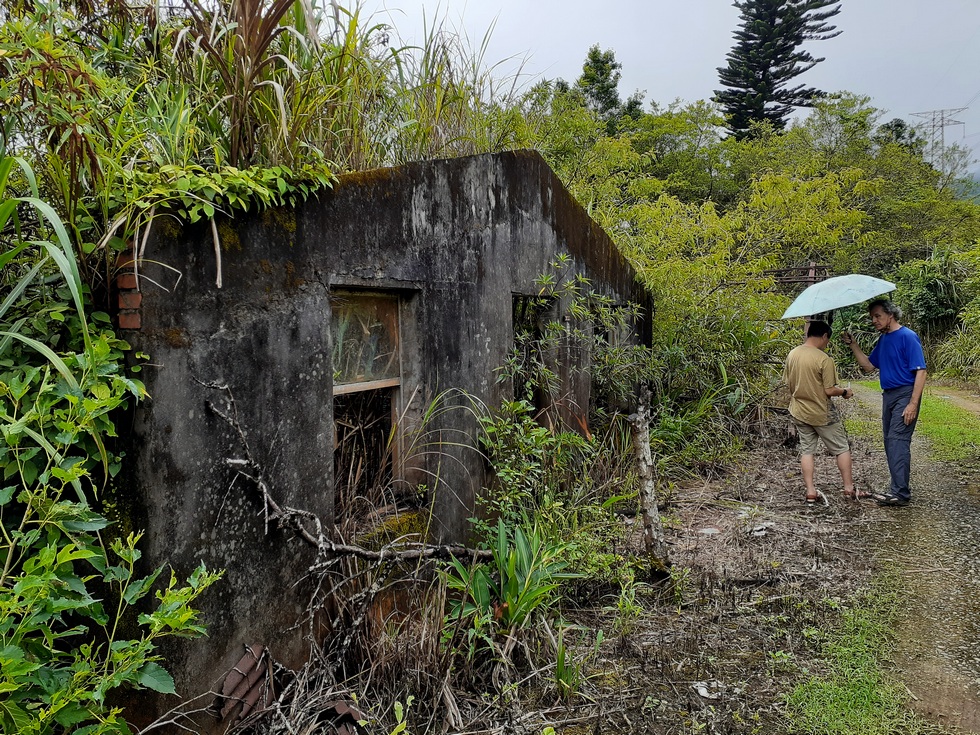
(836, 293)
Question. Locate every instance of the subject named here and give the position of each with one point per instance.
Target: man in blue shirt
(898, 356)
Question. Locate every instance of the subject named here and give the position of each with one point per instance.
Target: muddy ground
(758, 576)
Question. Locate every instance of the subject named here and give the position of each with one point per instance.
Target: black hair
(818, 329)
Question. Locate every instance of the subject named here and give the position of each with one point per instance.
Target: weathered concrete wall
(455, 238)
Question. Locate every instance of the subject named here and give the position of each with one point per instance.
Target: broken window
(366, 377)
(365, 342)
(533, 360)
(617, 357)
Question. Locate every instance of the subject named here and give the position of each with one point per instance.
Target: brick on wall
(128, 296)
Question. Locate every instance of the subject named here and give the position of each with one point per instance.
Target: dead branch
(296, 519)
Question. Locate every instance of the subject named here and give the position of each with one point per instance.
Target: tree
(767, 56)
(600, 81)
(599, 87)
(899, 132)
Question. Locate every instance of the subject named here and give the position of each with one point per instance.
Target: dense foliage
(197, 110)
(76, 621)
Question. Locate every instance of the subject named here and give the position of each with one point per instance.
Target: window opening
(533, 373)
(362, 452)
(615, 352)
(366, 378)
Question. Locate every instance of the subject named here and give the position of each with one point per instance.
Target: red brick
(130, 320)
(125, 258)
(126, 280)
(130, 299)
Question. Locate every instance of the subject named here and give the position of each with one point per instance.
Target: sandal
(811, 499)
(891, 501)
(855, 494)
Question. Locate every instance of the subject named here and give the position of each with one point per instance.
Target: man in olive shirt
(811, 377)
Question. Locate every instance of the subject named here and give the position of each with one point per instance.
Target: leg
(809, 443)
(807, 464)
(844, 465)
(898, 440)
(834, 437)
(886, 418)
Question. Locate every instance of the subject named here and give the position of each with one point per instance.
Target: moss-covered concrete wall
(456, 239)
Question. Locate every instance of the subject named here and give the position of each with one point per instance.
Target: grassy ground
(953, 432)
(856, 694)
(854, 691)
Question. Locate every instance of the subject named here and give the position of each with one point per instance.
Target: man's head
(885, 315)
(818, 334)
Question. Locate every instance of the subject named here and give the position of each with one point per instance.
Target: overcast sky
(908, 55)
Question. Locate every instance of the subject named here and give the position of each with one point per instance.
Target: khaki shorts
(834, 437)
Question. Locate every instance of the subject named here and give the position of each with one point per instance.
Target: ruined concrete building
(337, 323)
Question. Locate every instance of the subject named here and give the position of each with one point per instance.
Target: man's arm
(862, 359)
(838, 391)
(912, 410)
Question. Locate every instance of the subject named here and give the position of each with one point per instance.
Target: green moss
(410, 523)
(176, 338)
(168, 227)
(117, 507)
(293, 282)
(282, 217)
(228, 235)
(373, 176)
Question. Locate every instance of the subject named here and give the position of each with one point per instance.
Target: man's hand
(909, 414)
(847, 338)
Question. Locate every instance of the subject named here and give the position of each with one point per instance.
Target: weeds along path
(933, 545)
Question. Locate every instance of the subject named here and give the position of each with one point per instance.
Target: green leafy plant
(524, 456)
(568, 674)
(70, 596)
(627, 607)
(567, 311)
(501, 598)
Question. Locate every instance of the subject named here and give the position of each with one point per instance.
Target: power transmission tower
(937, 122)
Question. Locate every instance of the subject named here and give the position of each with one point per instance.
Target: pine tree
(767, 56)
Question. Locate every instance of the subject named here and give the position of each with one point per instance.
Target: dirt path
(934, 545)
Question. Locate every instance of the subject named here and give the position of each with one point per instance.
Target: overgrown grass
(856, 694)
(953, 432)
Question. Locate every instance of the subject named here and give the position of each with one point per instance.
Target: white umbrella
(836, 293)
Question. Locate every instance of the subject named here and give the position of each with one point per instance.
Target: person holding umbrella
(811, 376)
(898, 356)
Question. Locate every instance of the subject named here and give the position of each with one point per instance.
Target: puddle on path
(934, 544)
